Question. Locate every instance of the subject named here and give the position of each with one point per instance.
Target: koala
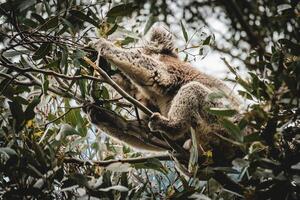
(176, 92)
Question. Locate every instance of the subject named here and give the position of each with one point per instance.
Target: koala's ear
(163, 38)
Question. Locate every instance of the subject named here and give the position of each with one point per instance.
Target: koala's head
(160, 42)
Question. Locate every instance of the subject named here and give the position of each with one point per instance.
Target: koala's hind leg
(187, 110)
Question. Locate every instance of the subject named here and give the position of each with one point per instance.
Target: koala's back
(185, 73)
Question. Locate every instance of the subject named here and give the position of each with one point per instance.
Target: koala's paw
(101, 45)
(155, 122)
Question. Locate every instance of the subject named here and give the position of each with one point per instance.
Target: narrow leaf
(29, 112)
(42, 51)
(121, 10)
(185, 34)
(232, 129)
(151, 20)
(50, 23)
(207, 40)
(83, 17)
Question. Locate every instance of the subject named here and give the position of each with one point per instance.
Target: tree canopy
(48, 148)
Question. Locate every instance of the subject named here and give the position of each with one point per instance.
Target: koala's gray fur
(174, 89)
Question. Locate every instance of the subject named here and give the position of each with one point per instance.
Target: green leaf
(30, 23)
(79, 54)
(13, 53)
(232, 129)
(29, 112)
(38, 18)
(83, 17)
(45, 86)
(121, 10)
(222, 112)
(19, 99)
(245, 94)
(207, 40)
(252, 137)
(66, 130)
(185, 34)
(40, 155)
(59, 174)
(47, 6)
(127, 40)
(64, 59)
(151, 20)
(112, 30)
(232, 69)
(74, 117)
(67, 25)
(8, 152)
(17, 113)
(80, 179)
(25, 63)
(186, 57)
(152, 163)
(104, 92)
(82, 87)
(53, 65)
(51, 22)
(267, 163)
(26, 4)
(11, 93)
(42, 51)
(216, 95)
(244, 83)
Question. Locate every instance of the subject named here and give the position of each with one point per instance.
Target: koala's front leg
(187, 110)
(141, 68)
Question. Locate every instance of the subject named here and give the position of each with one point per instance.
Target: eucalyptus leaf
(83, 17)
(51, 22)
(44, 49)
(65, 130)
(185, 34)
(232, 129)
(121, 10)
(151, 20)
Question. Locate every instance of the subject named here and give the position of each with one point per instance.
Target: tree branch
(106, 77)
(26, 83)
(53, 73)
(108, 162)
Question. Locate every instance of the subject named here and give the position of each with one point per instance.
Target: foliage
(44, 83)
